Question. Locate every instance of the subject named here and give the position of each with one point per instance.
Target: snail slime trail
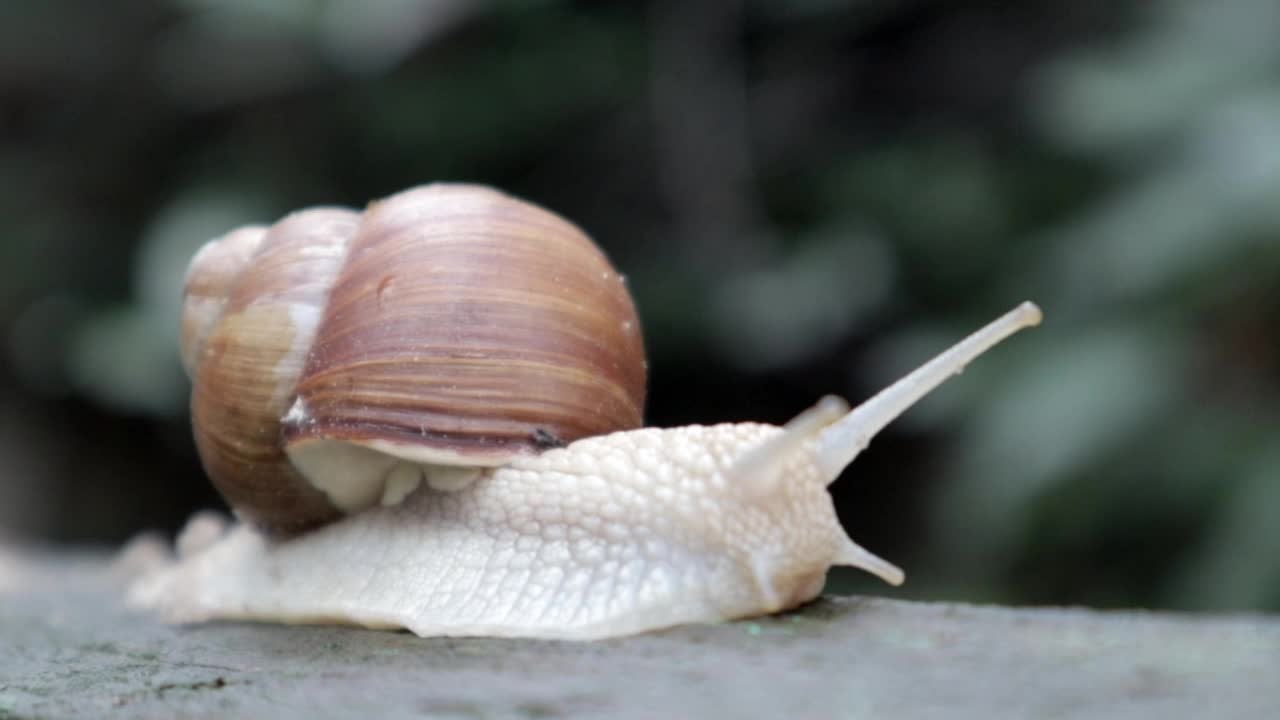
(419, 480)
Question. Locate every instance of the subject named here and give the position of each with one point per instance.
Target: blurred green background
(808, 197)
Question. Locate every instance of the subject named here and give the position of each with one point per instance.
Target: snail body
(499, 532)
(573, 544)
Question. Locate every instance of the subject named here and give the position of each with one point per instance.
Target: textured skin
(613, 535)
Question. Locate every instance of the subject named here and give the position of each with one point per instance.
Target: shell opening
(355, 477)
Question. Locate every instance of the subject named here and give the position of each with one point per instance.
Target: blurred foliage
(808, 197)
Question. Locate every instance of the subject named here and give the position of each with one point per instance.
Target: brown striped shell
(339, 359)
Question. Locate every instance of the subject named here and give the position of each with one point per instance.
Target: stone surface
(69, 649)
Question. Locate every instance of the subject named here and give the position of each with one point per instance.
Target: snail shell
(339, 359)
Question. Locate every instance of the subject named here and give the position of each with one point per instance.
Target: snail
(552, 516)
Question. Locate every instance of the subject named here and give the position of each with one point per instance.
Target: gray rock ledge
(69, 649)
